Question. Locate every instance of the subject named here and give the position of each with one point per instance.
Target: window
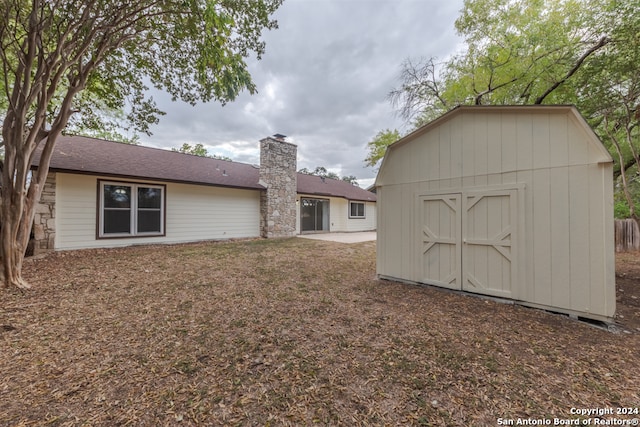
(356, 210)
(130, 209)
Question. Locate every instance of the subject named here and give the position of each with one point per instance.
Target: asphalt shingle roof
(78, 154)
(315, 185)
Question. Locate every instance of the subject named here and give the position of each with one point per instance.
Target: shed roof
(92, 156)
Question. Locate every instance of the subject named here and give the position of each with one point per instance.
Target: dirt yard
(294, 332)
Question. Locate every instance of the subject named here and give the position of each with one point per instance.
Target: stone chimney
(278, 173)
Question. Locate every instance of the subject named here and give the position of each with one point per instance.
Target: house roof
(317, 186)
(83, 155)
(78, 154)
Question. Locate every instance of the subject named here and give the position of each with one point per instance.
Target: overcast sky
(322, 82)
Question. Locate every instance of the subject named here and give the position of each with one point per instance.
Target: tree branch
(601, 43)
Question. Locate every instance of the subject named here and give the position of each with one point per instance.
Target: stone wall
(44, 223)
(278, 163)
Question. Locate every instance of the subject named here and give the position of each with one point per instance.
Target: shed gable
(483, 141)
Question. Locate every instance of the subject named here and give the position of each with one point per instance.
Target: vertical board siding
(560, 225)
(540, 140)
(578, 153)
(508, 143)
(494, 144)
(456, 148)
(541, 236)
(432, 155)
(444, 151)
(524, 141)
(579, 244)
(481, 143)
(558, 149)
(601, 244)
(390, 229)
(564, 179)
(469, 154)
(408, 232)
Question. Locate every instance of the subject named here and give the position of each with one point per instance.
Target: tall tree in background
(323, 172)
(516, 53)
(609, 96)
(378, 145)
(198, 150)
(70, 61)
(582, 52)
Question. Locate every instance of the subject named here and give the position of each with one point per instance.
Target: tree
(609, 89)
(378, 145)
(198, 150)
(581, 52)
(69, 61)
(516, 53)
(323, 172)
(351, 179)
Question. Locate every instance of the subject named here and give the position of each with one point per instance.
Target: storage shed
(507, 201)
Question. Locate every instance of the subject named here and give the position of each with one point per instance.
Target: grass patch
(286, 332)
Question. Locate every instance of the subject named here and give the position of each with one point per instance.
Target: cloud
(323, 82)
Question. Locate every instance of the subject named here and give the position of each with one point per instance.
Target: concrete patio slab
(357, 237)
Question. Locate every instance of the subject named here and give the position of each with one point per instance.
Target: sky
(323, 82)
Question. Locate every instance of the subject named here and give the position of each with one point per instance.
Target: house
(106, 194)
(504, 201)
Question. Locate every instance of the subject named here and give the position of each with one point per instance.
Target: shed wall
(193, 213)
(564, 188)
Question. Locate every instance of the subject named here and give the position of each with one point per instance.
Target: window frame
(364, 209)
(133, 216)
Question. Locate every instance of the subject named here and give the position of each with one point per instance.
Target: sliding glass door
(314, 215)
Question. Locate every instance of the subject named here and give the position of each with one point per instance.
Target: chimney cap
(279, 136)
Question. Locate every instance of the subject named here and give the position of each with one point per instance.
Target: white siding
(564, 181)
(339, 221)
(192, 213)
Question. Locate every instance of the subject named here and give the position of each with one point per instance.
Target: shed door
(488, 251)
(467, 241)
(440, 231)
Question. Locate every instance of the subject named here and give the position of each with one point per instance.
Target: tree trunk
(17, 220)
(623, 172)
(12, 257)
(19, 198)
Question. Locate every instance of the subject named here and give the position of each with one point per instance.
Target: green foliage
(85, 65)
(323, 172)
(378, 145)
(198, 150)
(111, 49)
(621, 210)
(351, 179)
(582, 52)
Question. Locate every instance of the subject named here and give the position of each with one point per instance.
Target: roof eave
(147, 178)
